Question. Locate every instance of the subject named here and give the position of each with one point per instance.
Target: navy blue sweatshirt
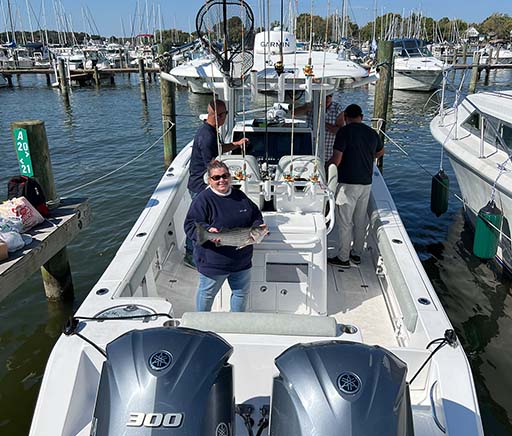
(204, 149)
(211, 210)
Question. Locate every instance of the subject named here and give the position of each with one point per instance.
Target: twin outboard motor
(339, 388)
(165, 381)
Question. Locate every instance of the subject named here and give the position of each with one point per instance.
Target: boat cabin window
(473, 123)
(278, 144)
(493, 129)
(506, 134)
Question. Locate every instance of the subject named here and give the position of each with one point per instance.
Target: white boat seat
(251, 185)
(235, 164)
(303, 167)
(261, 323)
(300, 198)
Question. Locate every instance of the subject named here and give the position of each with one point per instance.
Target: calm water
(102, 129)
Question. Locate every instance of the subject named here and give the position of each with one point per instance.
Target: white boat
(477, 137)
(320, 351)
(501, 56)
(197, 74)
(415, 67)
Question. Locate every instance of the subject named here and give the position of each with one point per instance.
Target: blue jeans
(239, 282)
(189, 244)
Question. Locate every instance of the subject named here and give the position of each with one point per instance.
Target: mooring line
(122, 166)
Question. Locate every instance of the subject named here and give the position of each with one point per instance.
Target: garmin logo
(274, 44)
(167, 420)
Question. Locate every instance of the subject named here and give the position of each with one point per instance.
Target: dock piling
(168, 97)
(464, 53)
(142, 81)
(474, 72)
(96, 76)
(56, 272)
(63, 80)
(383, 88)
(488, 67)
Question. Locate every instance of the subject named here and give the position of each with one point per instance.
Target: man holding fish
(223, 223)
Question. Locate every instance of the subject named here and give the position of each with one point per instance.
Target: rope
(121, 167)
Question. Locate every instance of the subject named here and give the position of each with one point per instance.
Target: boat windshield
(278, 143)
(410, 48)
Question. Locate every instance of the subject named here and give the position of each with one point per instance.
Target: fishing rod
(322, 98)
(267, 24)
(292, 139)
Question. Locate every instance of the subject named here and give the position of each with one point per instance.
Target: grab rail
(298, 242)
(434, 412)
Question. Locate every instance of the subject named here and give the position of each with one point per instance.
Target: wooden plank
(55, 233)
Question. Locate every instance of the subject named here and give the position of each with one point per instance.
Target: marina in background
(93, 131)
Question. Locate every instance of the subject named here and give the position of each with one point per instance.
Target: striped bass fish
(237, 237)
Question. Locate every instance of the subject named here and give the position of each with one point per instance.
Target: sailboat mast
(30, 21)
(10, 20)
(374, 22)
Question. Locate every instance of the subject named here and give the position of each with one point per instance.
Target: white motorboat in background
(197, 74)
(415, 67)
(321, 350)
(498, 56)
(477, 137)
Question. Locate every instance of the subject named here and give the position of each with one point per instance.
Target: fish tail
(201, 235)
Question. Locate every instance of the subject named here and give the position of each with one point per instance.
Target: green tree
(497, 25)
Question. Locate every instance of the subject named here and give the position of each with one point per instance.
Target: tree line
(495, 26)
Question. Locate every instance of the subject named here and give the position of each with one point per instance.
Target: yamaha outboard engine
(341, 389)
(165, 381)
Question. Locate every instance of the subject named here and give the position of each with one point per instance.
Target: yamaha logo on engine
(169, 420)
(160, 360)
(349, 383)
(222, 430)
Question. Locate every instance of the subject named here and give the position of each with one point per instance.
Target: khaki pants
(351, 219)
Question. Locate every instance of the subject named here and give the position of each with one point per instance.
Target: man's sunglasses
(221, 114)
(217, 177)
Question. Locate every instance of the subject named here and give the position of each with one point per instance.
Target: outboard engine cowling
(165, 381)
(340, 388)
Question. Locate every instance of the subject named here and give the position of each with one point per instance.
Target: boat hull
(417, 80)
(476, 190)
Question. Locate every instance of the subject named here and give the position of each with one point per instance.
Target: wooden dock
(11, 71)
(482, 66)
(55, 233)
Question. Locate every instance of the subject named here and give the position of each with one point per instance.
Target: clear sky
(108, 14)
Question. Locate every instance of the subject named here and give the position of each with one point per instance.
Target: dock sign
(23, 152)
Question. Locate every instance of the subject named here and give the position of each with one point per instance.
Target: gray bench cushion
(261, 323)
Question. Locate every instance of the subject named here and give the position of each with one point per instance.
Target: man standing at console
(355, 149)
(206, 147)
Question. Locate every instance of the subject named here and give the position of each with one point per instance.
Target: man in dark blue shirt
(204, 149)
(207, 145)
(355, 149)
(221, 207)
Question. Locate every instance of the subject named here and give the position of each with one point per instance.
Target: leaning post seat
(303, 195)
(251, 185)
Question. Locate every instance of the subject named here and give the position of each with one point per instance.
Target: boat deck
(354, 296)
